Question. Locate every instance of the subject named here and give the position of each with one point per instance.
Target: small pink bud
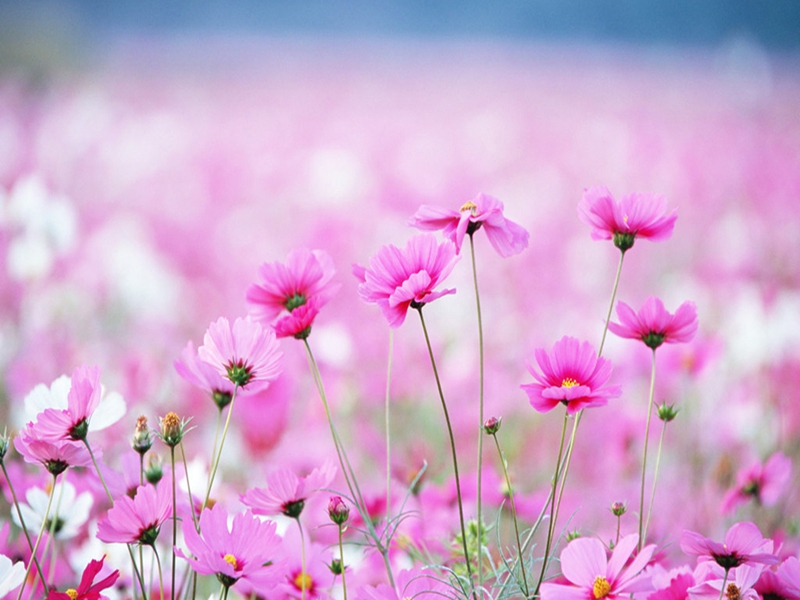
(492, 425)
(338, 511)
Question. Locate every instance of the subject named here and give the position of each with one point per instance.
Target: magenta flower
(484, 212)
(247, 355)
(286, 493)
(56, 455)
(246, 551)
(783, 584)
(204, 376)
(297, 324)
(591, 574)
(87, 590)
(764, 483)
(137, 520)
(573, 375)
(283, 288)
(398, 279)
(743, 545)
(635, 216)
(82, 400)
(654, 325)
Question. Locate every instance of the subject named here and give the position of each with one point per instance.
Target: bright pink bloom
(743, 545)
(56, 455)
(82, 400)
(676, 590)
(654, 325)
(284, 288)
(592, 574)
(246, 551)
(739, 585)
(764, 483)
(247, 354)
(297, 324)
(137, 520)
(637, 215)
(88, 590)
(572, 374)
(783, 584)
(398, 279)
(483, 212)
(286, 493)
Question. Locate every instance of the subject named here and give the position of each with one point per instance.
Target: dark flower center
(221, 398)
(239, 373)
(148, 535)
(728, 561)
(624, 240)
(79, 430)
(653, 339)
(473, 226)
(54, 525)
(56, 466)
(295, 301)
(293, 508)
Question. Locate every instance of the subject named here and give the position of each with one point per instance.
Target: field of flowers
(285, 326)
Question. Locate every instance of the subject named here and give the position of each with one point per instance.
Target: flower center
(569, 382)
(303, 581)
(73, 594)
(294, 301)
(239, 373)
(732, 592)
(293, 508)
(469, 206)
(231, 560)
(601, 587)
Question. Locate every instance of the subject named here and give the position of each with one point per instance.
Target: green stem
(174, 518)
(189, 487)
(611, 305)
(655, 476)
(452, 445)
(567, 462)
(724, 581)
(303, 560)
(524, 585)
(388, 442)
(39, 538)
(218, 457)
(341, 558)
(642, 531)
(160, 574)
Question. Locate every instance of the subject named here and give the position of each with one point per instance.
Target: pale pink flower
(636, 216)
(763, 482)
(286, 493)
(56, 455)
(483, 212)
(737, 585)
(204, 376)
(654, 325)
(398, 279)
(137, 520)
(246, 354)
(573, 375)
(591, 574)
(743, 544)
(82, 400)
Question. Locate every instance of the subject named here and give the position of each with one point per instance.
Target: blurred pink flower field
(141, 194)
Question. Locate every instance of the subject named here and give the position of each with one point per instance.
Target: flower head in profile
(247, 354)
(56, 455)
(483, 212)
(66, 517)
(87, 589)
(246, 550)
(137, 520)
(283, 288)
(286, 493)
(636, 216)
(654, 325)
(204, 376)
(398, 279)
(592, 574)
(743, 545)
(571, 374)
(11, 575)
(763, 483)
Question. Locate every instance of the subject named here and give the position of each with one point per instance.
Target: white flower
(11, 575)
(68, 512)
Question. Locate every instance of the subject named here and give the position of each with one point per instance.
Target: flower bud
(172, 429)
(492, 425)
(618, 509)
(142, 441)
(4, 440)
(336, 567)
(154, 472)
(338, 511)
(667, 413)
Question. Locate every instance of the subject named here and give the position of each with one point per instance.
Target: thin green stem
(655, 476)
(174, 517)
(303, 560)
(218, 457)
(386, 412)
(567, 462)
(160, 574)
(513, 514)
(724, 581)
(619, 525)
(225, 592)
(480, 413)
(24, 527)
(341, 559)
(642, 531)
(189, 487)
(39, 538)
(452, 445)
(611, 304)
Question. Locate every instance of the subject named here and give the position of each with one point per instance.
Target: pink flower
(248, 355)
(286, 493)
(56, 455)
(676, 590)
(765, 483)
(592, 574)
(137, 520)
(246, 551)
(743, 544)
(785, 583)
(654, 325)
(573, 375)
(87, 590)
(398, 279)
(204, 376)
(484, 212)
(284, 288)
(414, 583)
(737, 585)
(297, 324)
(82, 400)
(637, 215)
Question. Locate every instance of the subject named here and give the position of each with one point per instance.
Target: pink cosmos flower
(204, 376)
(246, 551)
(398, 279)
(743, 544)
(484, 212)
(783, 584)
(137, 520)
(286, 493)
(82, 400)
(87, 590)
(573, 375)
(738, 585)
(654, 325)
(637, 215)
(677, 589)
(765, 483)
(56, 455)
(247, 354)
(297, 324)
(283, 288)
(591, 574)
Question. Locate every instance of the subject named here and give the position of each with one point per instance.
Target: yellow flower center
(625, 218)
(601, 587)
(733, 592)
(303, 581)
(569, 382)
(231, 560)
(469, 206)
(73, 594)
